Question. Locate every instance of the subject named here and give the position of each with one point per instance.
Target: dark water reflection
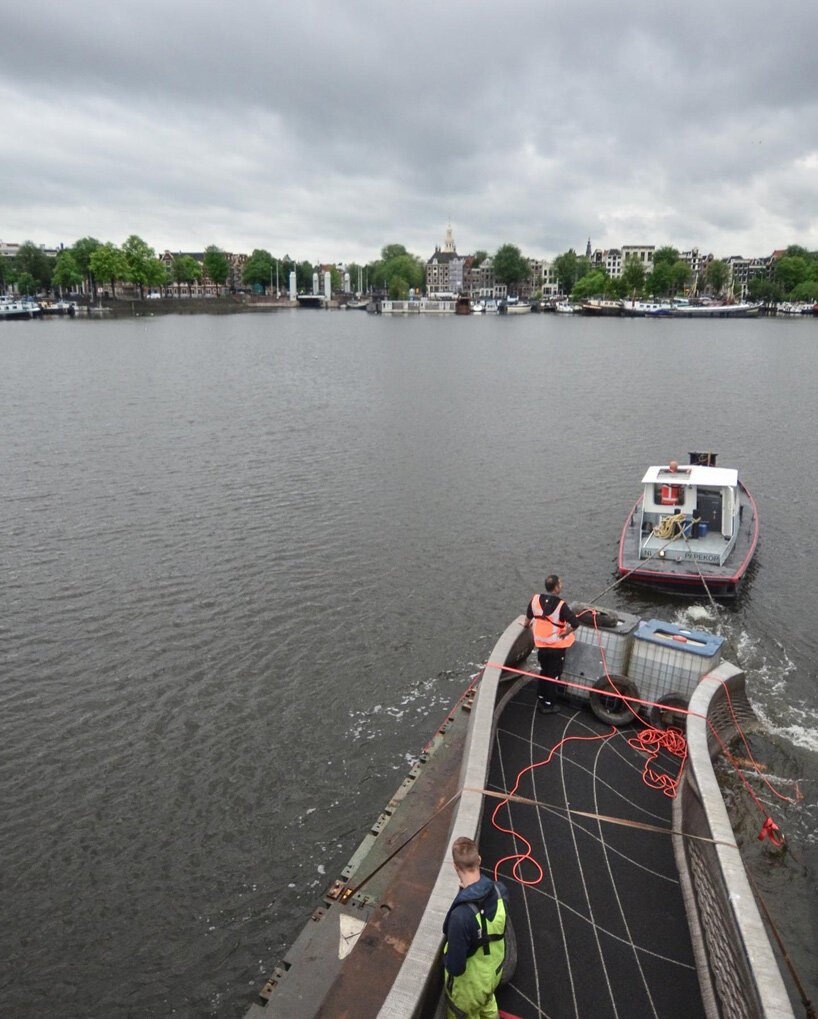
(248, 562)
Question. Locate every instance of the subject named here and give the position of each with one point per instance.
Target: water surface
(249, 561)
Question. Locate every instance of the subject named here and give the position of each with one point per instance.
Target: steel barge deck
(626, 920)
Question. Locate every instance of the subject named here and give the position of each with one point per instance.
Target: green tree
(304, 272)
(806, 291)
(761, 288)
(796, 251)
(665, 256)
(659, 281)
(717, 275)
(286, 265)
(791, 270)
(510, 267)
(567, 270)
(392, 251)
(139, 255)
(259, 269)
(592, 284)
(615, 287)
(185, 270)
(478, 258)
(67, 274)
(157, 275)
(679, 276)
(633, 276)
(26, 283)
(398, 288)
(108, 262)
(216, 265)
(82, 251)
(400, 265)
(33, 260)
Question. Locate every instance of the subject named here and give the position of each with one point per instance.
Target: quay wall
(737, 968)
(127, 307)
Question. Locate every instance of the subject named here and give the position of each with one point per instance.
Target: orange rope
(520, 858)
(652, 741)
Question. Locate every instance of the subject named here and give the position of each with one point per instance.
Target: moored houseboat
(19, 308)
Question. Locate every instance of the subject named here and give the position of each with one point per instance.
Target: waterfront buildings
(448, 273)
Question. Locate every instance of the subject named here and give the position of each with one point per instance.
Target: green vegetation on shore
(90, 264)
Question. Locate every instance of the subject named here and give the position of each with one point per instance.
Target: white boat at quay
(59, 308)
(423, 306)
(715, 310)
(647, 308)
(600, 307)
(18, 308)
(514, 307)
(795, 308)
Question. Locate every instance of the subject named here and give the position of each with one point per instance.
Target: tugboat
(692, 531)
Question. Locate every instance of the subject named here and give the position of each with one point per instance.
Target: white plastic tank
(670, 660)
(598, 649)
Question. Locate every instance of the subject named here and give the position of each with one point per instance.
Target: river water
(249, 561)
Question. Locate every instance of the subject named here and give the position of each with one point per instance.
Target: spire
(448, 244)
(588, 248)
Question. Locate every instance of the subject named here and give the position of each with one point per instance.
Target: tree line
(794, 277)
(90, 263)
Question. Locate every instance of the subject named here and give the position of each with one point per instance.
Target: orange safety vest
(549, 631)
(670, 494)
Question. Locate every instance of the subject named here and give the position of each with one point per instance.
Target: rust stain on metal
(362, 985)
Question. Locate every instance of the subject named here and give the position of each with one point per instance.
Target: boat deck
(687, 559)
(604, 932)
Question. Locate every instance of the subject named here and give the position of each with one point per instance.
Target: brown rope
(623, 821)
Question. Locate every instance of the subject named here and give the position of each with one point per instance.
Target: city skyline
(326, 133)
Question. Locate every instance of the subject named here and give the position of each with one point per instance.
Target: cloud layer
(328, 130)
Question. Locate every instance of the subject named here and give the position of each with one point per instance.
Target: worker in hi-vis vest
(474, 929)
(552, 623)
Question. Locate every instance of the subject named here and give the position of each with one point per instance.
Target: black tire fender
(590, 616)
(666, 714)
(607, 706)
(510, 960)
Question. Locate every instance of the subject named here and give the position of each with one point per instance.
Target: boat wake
(769, 667)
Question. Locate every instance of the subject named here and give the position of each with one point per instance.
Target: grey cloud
(333, 129)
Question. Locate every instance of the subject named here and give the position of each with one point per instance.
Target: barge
(625, 900)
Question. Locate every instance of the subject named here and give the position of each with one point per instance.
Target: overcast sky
(327, 130)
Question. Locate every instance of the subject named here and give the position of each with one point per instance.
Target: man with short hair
(474, 930)
(552, 623)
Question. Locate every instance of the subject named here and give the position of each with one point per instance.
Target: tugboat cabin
(693, 511)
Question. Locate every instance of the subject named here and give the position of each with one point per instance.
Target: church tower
(448, 244)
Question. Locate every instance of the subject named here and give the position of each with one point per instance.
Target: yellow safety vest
(471, 991)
